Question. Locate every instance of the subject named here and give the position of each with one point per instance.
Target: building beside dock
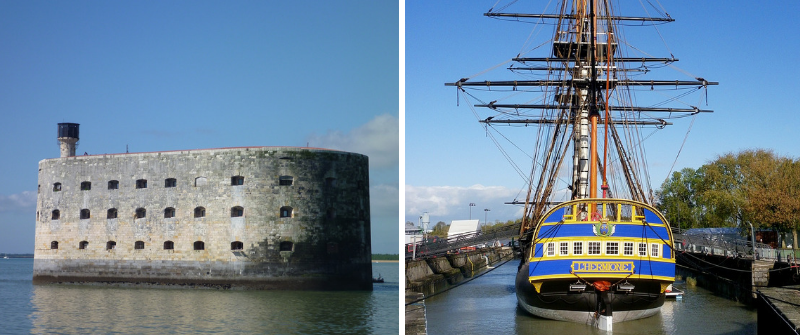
(249, 217)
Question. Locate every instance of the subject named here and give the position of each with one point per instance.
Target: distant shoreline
(385, 261)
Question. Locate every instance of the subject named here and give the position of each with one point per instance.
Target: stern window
(594, 248)
(577, 248)
(628, 250)
(563, 249)
(642, 249)
(654, 249)
(612, 248)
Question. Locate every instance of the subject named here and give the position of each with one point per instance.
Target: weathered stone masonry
(255, 217)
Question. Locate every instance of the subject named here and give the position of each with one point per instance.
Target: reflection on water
(489, 304)
(68, 309)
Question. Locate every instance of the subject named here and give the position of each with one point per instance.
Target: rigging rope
(681, 148)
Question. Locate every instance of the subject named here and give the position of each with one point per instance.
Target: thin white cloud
(20, 202)
(447, 203)
(379, 139)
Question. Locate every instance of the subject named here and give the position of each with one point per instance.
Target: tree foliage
(750, 187)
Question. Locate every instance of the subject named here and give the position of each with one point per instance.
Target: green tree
(720, 197)
(750, 187)
(677, 198)
(440, 229)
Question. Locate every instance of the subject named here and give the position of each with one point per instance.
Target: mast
(572, 99)
(593, 114)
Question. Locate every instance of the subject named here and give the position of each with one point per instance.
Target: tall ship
(595, 248)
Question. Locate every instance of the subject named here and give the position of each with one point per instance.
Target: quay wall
(732, 277)
(253, 217)
(430, 275)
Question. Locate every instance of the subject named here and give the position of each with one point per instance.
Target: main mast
(583, 50)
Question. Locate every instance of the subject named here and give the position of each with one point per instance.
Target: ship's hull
(556, 302)
(612, 265)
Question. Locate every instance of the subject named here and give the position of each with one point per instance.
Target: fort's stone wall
(323, 242)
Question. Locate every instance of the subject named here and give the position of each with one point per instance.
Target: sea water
(75, 309)
(488, 305)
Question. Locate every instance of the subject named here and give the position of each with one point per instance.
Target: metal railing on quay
(435, 246)
(729, 246)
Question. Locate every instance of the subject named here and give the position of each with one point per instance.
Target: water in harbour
(68, 309)
(488, 304)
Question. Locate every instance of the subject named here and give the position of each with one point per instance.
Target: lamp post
(485, 213)
(423, 228)
(471, 204)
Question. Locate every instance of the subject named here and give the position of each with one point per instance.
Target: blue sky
(749, 47)
(171, 75)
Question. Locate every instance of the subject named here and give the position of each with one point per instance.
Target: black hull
(555, 301)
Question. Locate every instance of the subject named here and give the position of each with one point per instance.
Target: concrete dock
(415, 314)
(779, 310)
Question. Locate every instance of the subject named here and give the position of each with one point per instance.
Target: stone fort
(248, 217)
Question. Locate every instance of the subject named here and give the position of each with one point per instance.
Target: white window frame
(625, 248)
(550, 249)
(607, 245)
(655, 250)
(563, 248)
(639, 249)
(599, 248)
(578, 243)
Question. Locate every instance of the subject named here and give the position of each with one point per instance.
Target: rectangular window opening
(628, 249)
(577, 248)
(594, 248)
(563, 249)
(654, 249)
(612, 248)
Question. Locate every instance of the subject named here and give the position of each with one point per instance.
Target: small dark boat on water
(378, 280)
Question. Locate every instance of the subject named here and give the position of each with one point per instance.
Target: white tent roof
(463, 226)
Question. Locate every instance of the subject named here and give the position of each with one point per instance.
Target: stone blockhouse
(252, 217)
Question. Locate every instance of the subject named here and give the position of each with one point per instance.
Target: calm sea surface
(59, 309)
(488, 305)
